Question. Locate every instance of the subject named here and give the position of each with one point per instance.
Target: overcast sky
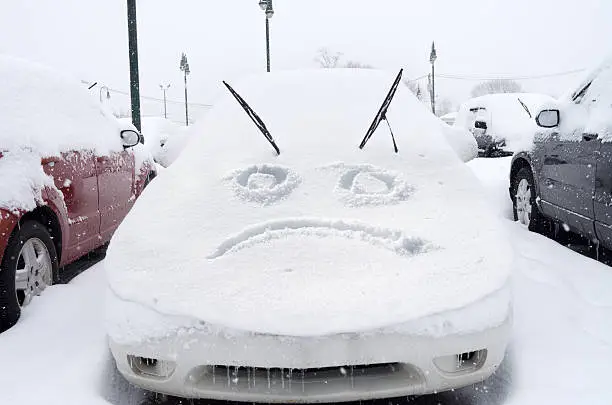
(225, 38)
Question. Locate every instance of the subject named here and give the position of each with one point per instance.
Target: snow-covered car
(565, 177)
(68, 176)
(159, 134)
(501, 123)
(449, 118)
(296, 260)
(460, 140)
(174, 146)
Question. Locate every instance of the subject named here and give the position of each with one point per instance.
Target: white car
(501, 123)
(449, 118)
(286, 257)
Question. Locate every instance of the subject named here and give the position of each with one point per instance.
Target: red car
(65, 183)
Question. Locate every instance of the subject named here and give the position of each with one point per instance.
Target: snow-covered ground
(560, 353)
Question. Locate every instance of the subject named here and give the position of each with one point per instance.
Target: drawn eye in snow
(264, 184)
(367, 185)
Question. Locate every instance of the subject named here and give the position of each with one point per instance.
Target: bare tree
(328, 59)
(351, 64)
(417, 90)
(444, 106)
(496, 86)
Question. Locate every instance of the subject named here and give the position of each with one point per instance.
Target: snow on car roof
(43, 113)
(49, 113)
(323, 238)
(501, 100)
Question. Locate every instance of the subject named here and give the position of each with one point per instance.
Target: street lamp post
(133, 51)
(432, 59)
(186, 71)
(165, 88)
(266, 6)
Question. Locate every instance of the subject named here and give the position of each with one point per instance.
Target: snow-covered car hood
(324, 238)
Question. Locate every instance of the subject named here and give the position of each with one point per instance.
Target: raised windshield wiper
(253, 115)
(525, 107)
(382, 114)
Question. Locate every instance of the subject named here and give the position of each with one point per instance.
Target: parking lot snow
(562, 342)
(560, 352)
(57, 352)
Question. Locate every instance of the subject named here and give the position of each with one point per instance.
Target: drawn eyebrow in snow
(253, 115)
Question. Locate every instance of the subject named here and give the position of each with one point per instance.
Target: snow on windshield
(588, 107)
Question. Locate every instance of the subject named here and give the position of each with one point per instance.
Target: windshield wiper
(253, 115)
(577, 97)
(525, 107)
(382, 114)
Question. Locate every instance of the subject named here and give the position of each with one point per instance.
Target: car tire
(524, 205)
(29, 237)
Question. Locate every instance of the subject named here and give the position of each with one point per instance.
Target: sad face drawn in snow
(306, 241)
(357, 186)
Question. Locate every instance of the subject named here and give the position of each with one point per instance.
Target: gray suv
(566, 177)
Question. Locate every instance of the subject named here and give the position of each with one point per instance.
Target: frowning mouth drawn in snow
(393, 240)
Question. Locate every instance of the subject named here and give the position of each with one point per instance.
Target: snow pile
(70, 363)
(507, 119)
(43, 114)
(324, 238)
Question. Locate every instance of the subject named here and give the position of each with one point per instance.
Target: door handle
(589, 137)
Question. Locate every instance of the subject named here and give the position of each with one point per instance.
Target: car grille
(284, 380)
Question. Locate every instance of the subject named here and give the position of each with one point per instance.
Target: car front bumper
(487, 142)
(348, 367)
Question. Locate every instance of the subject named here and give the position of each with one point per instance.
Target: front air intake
(148, 367)
(466, 362)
